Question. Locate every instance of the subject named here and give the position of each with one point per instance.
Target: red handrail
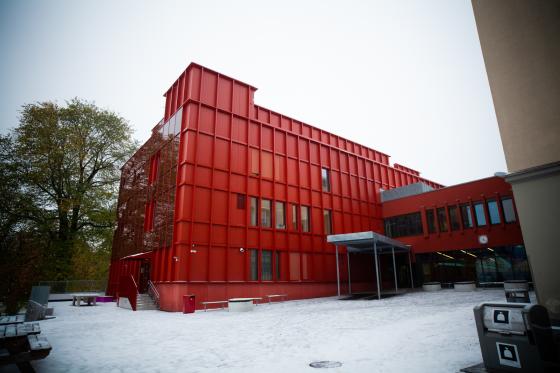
(128, 289)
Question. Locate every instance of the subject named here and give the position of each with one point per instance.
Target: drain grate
(325, 364)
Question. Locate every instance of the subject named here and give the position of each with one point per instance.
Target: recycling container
(188, 303)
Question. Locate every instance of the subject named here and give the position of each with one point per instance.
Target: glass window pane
(493, 212)
(277, 265)
(254, 211)
(305, 224)
(509, 211)
(294, 217)
(326, 180)
(404, 225)
(266, 265)
(280, 215)
(327, 218)
(479, 214)
(442, 219)
(266, 216)
(254, 265)
(466, 215)
(454, 218)
(431, 218)
(178, 120)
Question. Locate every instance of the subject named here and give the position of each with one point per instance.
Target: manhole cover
(325, 364)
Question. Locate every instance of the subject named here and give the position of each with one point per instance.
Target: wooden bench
(20, 344)
(15, 319)
(279, 296)
(222, 302)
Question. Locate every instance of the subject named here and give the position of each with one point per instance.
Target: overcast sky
(403, 77)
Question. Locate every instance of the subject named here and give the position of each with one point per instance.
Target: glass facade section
(442, 219)
(509, 211)
(326, 180)
(305, 222)
(454, 218)
(254, 265)
(280, 212)
(493, 212)
(266, 213)
(466, 216)
(431, 219)
(404, 225)
(327, 219)
(294, 217)
(277, 265)
(254, 211)
(266, 265)
(479, 214)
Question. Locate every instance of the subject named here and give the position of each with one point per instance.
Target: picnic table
(88, 298)
(15, 319)
(21, 343)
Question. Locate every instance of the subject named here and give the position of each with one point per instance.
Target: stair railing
(154, 294)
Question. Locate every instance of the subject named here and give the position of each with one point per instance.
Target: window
(327, 219)
(442, 219)
(479, 214)
(466, 215)
(294, 217)
(241, 201)
(266, 215)
(254, 257)
(280, 215)
(305, 223)
(431, 218)
(254, 211)
(277, 264)
(266, 265)
(509, 211)
(493, 212)
(326, 180)
(454, 218)
(404, 225)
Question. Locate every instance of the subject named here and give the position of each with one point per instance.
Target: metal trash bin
(517, 291)
(515, 337)
(189, 303)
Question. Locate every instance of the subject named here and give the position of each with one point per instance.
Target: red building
(230, 199)
(463, 232)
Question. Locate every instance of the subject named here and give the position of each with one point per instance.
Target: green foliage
(59, 178)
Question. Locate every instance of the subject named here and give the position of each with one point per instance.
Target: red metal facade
(471, 193)
(186, 195)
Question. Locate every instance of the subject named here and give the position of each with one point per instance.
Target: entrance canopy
(363, 242)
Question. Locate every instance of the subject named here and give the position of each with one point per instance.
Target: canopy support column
(410, 267)
(394, 269)
(349, 278)
(376, 269)
(337, 272)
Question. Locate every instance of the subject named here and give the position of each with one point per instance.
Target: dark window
(277, 264)
(266, 215)
(254, 211)
(454, 218)
(493, 212)
(326, 180)
(431, 219)
(466, 215)
(442, 219)
(509, 211)
(404, 225)
(241, 201)
(479, 214)
(266, 265)
(327, 219)
(254, 264)
(294, 217)
(280, 212)
(305, 222)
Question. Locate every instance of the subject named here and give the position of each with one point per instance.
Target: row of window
(265, 265)
(265, 209)
(463, 214)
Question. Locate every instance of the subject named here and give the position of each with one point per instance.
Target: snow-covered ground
(415, 332)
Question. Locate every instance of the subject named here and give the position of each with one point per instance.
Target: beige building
(520, 42)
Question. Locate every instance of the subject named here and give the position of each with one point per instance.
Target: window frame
(325, 179)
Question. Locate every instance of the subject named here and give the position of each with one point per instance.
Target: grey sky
(406, 78)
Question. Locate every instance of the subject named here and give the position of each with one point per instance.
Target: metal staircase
(145, 302)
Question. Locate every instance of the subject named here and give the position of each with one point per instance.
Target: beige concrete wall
(520, 41)
(538, 205)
